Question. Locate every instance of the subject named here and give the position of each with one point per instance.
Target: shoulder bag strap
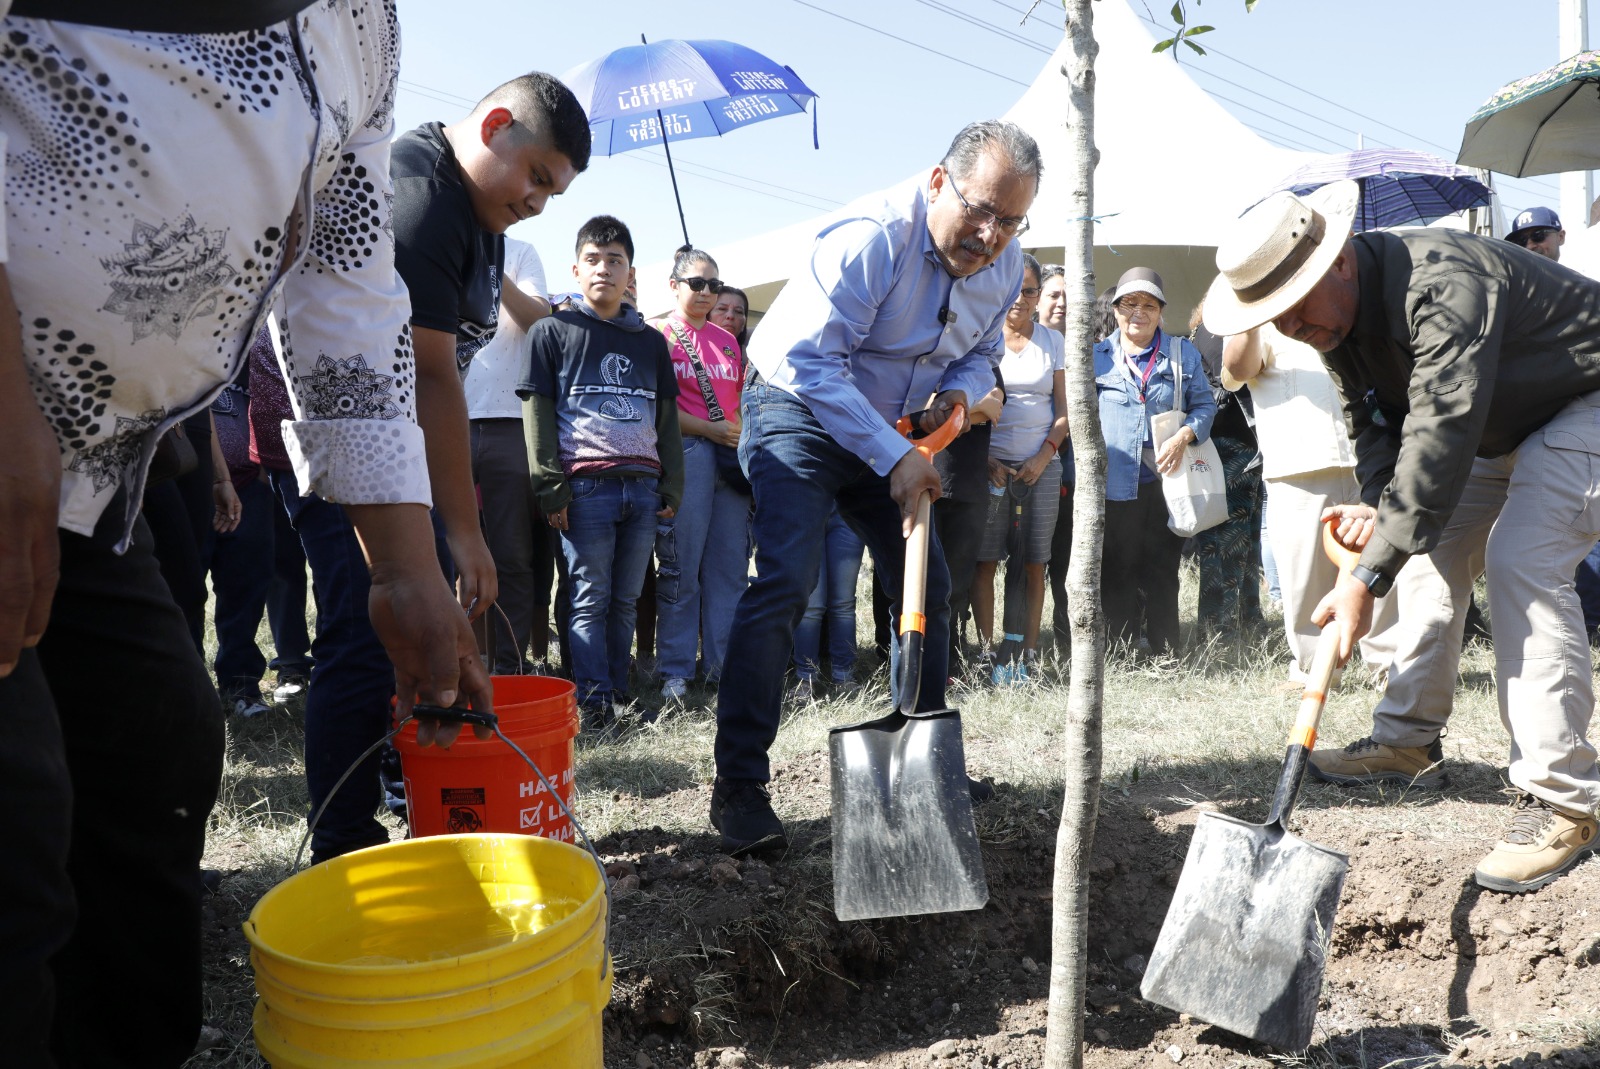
(685, 340)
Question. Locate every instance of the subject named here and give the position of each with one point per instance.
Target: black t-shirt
(450, 264)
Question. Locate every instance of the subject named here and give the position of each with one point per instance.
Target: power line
(1008, 35)
(445, 97)
(913, 44)
(438, 94)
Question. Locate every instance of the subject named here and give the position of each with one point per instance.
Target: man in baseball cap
(1539, 230)
(1471, 381)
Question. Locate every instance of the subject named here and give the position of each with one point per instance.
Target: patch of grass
(1211, 727)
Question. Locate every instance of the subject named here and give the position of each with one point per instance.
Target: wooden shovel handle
(1303, 737)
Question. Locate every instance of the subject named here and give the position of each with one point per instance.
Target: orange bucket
(482, 785)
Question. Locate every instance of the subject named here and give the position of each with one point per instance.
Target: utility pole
(1577, 187)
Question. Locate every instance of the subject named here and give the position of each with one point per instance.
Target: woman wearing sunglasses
(703, 552)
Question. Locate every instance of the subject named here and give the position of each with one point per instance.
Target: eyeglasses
(1030, 292)
(978, 218)
(699, 284)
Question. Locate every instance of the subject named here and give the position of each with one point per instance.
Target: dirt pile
(740, 962)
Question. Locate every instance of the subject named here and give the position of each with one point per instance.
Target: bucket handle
(462, 715)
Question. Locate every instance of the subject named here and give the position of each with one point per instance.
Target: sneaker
(804, 691)
(598, 721)
(248, 708)
(288, 687)
(741, 809)
(1541, 844)
(675, 689)
(1365, 761)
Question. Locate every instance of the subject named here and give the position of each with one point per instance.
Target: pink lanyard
(1144, 379)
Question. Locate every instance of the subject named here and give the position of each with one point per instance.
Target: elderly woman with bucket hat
(1470, 374)
(1136, 373)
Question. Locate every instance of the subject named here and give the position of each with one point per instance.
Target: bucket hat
(1275, 253)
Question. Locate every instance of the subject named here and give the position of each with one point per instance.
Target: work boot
(741, 810)
(1365, 761)
(1541, 844)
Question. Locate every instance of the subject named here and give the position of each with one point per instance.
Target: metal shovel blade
(1245, 941)
(903, 838)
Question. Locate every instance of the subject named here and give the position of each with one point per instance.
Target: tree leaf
(1177, 12)
(1192, 30)
(1162, 46)
(1249, 6)
(1194, 46)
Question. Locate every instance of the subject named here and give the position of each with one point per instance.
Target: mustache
(976, 247)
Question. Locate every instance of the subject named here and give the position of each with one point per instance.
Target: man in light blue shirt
(898, 311)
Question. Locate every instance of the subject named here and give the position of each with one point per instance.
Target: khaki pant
(1526, 520)
(1305, 574)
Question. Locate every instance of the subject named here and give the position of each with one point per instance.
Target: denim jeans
(799, 474)
(109, 784)
(347, 703)
(240, 578)
(286, 600)
(702, 566)
(611, 529)
(833, 596)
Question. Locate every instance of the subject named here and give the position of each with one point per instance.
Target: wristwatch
(1374, 581)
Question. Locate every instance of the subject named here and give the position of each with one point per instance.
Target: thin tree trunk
(1080, 764)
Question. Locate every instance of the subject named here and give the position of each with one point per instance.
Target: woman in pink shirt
(703, 552)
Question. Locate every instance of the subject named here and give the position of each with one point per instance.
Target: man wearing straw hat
(1470, 374)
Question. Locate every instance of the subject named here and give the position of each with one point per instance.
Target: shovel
(903, 838)
(1246, 937)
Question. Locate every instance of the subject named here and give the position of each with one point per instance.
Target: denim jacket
(1126, 423)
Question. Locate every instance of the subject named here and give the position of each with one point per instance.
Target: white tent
(1174, 169)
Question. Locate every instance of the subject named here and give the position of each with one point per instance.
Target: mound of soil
(725, 962)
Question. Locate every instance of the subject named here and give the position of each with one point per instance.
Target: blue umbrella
(653, 93)
(1398, 186)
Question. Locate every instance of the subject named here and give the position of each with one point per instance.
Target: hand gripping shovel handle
(1303, 739)
(914, 590)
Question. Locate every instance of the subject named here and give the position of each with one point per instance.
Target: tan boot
(1541, 844)
(1365, 761)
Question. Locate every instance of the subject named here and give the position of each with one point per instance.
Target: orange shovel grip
(1344, 559)
(940, 438)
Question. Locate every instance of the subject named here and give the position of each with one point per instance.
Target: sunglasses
(1536, 235)
(699, 284)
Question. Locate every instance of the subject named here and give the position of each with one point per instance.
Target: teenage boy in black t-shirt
(598, 400)
(456, 189)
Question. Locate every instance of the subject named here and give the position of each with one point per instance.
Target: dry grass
(1211, 728)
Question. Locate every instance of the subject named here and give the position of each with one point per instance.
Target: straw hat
(1276, 253)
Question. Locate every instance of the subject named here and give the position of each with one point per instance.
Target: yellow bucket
(448, 952)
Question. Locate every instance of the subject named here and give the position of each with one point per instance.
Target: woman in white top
(1024, 476)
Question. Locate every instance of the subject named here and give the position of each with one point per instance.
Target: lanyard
(1141, 380)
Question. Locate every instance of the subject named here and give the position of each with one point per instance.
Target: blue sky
(896, 78)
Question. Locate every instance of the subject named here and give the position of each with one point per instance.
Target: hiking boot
(675, 689)
(1365, 761)
(741, 809)
(980, 790)
(1541, 844)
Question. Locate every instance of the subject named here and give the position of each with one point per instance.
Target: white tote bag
(1197, 493)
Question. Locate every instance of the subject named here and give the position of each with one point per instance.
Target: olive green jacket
(1463, 346)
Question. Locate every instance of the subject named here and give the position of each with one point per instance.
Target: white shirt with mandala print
(149, 181)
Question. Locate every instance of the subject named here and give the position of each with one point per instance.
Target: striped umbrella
(1545, 123)
(1398, 186)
